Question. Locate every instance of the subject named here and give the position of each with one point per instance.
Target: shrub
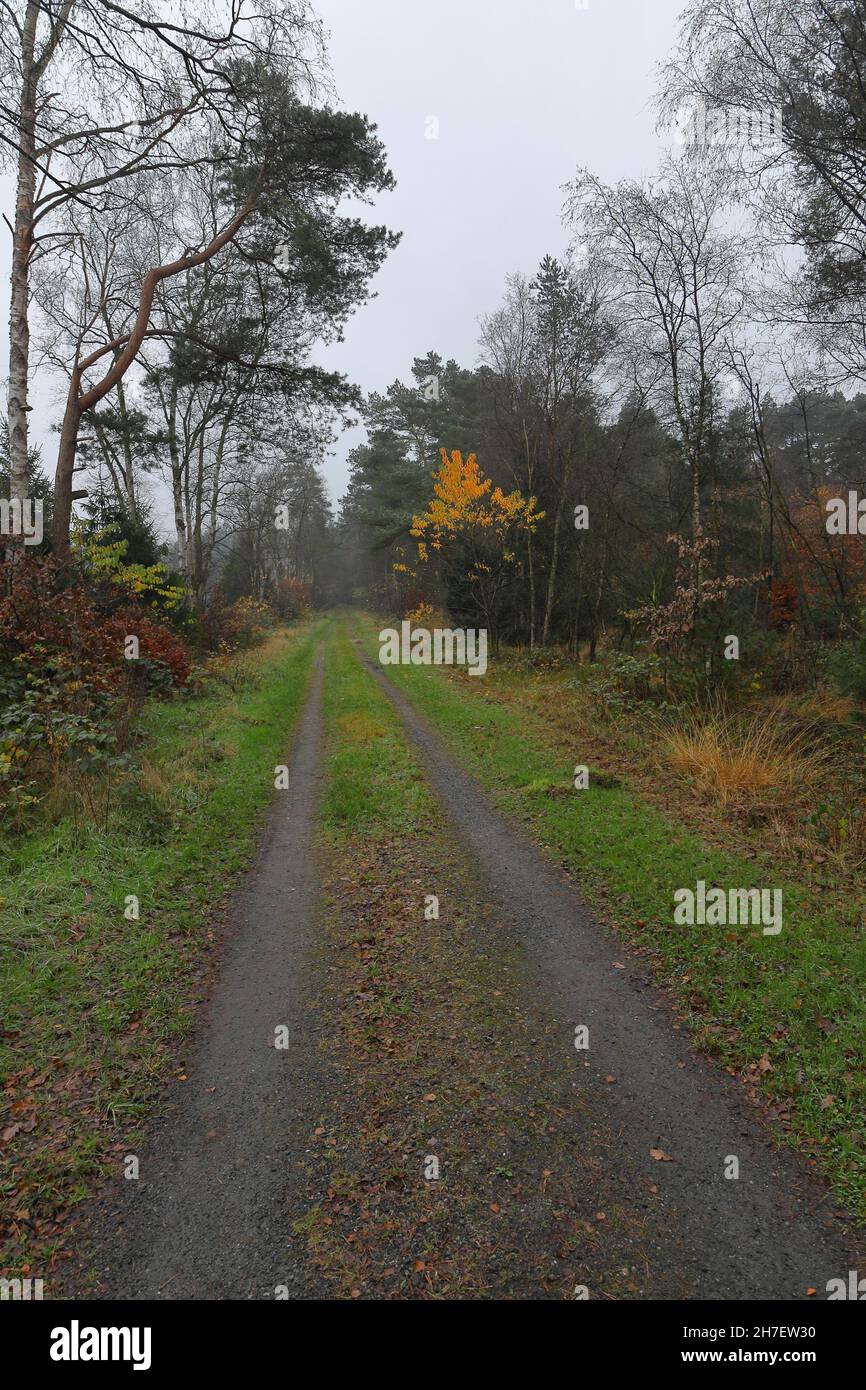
(51, 625)
(227, 626)
(214, 622)
(100, 556)
(840, 825)
(847, 668)
(56, 734)
(539, 660)
(411, 600)
(620, 683)
(248, 617)
(161, 648)
(66, 686)
(727, 755)
(292, 599)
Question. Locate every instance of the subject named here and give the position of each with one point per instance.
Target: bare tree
(676, 282)
(545, 343)
(506, 343)
(799, 71)
(96, 92)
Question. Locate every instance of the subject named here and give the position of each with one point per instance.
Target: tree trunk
(63, 478)
(697, 531)
(22, 247)
(596, 611)
(177, 483)
(531, 558)
(551, 578)
(128, 459)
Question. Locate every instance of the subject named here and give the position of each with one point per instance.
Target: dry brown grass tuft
(827, 706)
(731, 756)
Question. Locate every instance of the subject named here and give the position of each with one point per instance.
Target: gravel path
(208, 1217)
(772, 1233)
(232, 1161)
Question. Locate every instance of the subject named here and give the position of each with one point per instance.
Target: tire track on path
(771, 1234)
(209, 1216)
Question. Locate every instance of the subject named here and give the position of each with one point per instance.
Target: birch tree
(676, 279)
(96, 92)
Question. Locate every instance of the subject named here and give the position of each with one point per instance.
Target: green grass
(797, 999)
(94, 1007)
(374, 785)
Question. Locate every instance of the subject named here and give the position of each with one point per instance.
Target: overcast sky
(524, 92)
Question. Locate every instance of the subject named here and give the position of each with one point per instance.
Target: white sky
(525, 91)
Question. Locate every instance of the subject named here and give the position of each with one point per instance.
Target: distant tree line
(679, 398)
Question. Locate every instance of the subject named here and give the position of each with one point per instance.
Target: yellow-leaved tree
(472, 531)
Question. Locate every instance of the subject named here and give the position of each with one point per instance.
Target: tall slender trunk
(698, 534)
(189, 446)
(126, 445)
(177, 481)
(530, 475)
(578, 577)
(531, 560)
(198, 515)
(63, 481)
(22, 248)
(554, 566)
(600, 583)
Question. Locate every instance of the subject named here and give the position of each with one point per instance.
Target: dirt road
(234, 1166)
(769, 1233)
(207, 1216)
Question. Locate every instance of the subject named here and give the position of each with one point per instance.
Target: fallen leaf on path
(660, 1156)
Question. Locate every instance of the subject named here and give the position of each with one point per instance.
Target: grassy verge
(785, 1012)
(782, 776)
(94, 1003)
(438, 1050)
